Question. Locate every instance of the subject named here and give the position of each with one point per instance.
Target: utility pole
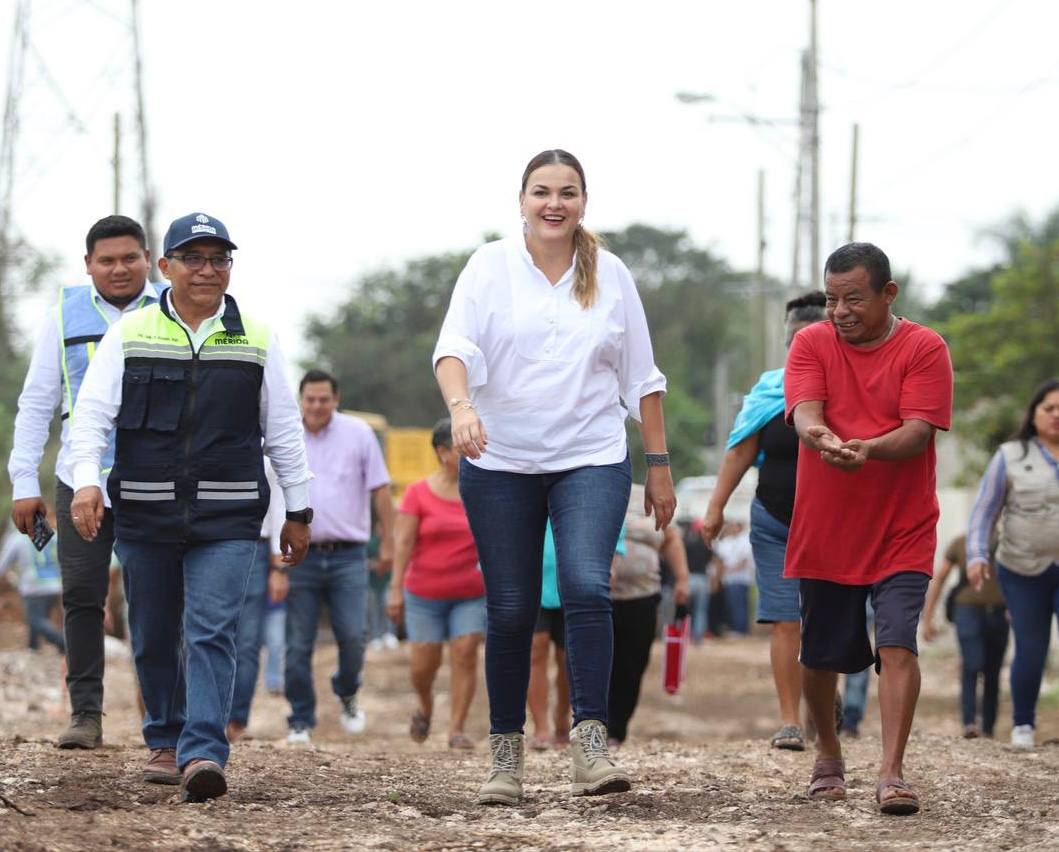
(762, 305)
(116, 162)
(814, 148)
(853, 183)
(141, 126)
(807, 173)
(16, 66)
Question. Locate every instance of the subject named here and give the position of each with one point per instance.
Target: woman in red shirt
(437, 588)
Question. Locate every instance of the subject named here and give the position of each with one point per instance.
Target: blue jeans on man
(339, 578)
(184, 606)
(250, 636)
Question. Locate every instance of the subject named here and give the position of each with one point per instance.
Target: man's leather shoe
(203, 780)
(161, 767)
(84, 731)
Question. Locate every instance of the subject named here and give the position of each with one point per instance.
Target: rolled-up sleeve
(281, 424)
(638, 375)
(460, 337)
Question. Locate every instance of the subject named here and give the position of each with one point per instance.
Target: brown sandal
(902, 802)
(828, 780)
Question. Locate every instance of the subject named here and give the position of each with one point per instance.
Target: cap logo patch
(203, 229)
(203, 218)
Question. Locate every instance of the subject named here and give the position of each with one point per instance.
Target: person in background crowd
(1020, 489)
(198, 393)
(636, 586)
(267, 586)
(437, 589)
(349, 480)
(760, 436)
(275, 643)
(39, 584)
(980, 617)
(698, 555)
(382, 633)
(538, 412)
(736, 560)
(117, 261)
(866, 393)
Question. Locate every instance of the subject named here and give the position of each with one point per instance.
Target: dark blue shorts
(835, 624)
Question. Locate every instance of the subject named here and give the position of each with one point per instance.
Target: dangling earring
(525, 225)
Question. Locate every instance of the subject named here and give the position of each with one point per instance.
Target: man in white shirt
(118, 262)
(198, 393)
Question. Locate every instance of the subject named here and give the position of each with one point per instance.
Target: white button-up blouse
(552, 382)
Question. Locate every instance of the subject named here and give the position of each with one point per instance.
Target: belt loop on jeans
(332, 546)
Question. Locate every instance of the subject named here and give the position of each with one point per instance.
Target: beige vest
(1029, 537)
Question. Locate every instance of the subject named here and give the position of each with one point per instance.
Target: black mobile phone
(42, 533)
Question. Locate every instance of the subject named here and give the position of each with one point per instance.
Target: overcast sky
(334, 137)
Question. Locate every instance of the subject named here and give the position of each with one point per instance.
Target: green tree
(1002, 353)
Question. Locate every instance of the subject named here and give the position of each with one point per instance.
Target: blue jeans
(698, 604)
(275, 646)
(1032, 602)
(379, 623)
(508, 513)
(983, 635)
(737, 601)
(184, 604)
(250, 636)
(38, 611)
(339, 578)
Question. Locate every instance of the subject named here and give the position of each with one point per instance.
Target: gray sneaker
(593, 772)
(84, 731)
(504, 784)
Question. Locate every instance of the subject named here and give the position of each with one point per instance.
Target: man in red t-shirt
(866, 391)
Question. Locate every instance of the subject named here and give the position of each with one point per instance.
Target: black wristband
(657, 459)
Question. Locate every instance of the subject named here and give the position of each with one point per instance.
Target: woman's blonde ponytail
(586, 282)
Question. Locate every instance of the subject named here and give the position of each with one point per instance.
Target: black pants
(85, 569)
(634, 633)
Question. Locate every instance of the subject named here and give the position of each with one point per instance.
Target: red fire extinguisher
(677, 637)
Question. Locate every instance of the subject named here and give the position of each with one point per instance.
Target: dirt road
(706, 778)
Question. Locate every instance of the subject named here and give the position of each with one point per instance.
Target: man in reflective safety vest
(118, 261)
(198, 393)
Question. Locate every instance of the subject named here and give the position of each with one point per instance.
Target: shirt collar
(171, 311)
(519, 241)
(148, 293)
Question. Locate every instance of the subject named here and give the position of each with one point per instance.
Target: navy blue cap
(195, 226)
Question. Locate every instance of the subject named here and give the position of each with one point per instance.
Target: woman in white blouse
(543, 353)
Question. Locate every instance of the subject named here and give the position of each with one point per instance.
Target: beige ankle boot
(504, 784)
(593, 771)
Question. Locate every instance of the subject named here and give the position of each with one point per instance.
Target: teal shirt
(549, 582)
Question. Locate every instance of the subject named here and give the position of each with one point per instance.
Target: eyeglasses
(220, 262)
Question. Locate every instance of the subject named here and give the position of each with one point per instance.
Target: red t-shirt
(444, 563)
(857, 527)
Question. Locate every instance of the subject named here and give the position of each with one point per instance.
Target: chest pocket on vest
(152, 397)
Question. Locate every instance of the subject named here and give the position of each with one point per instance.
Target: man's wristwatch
(302, 516)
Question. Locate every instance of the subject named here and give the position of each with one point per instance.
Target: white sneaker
(1022, 736)
(352, 717)
(375, 645)
(389, 641)
(299, 735)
